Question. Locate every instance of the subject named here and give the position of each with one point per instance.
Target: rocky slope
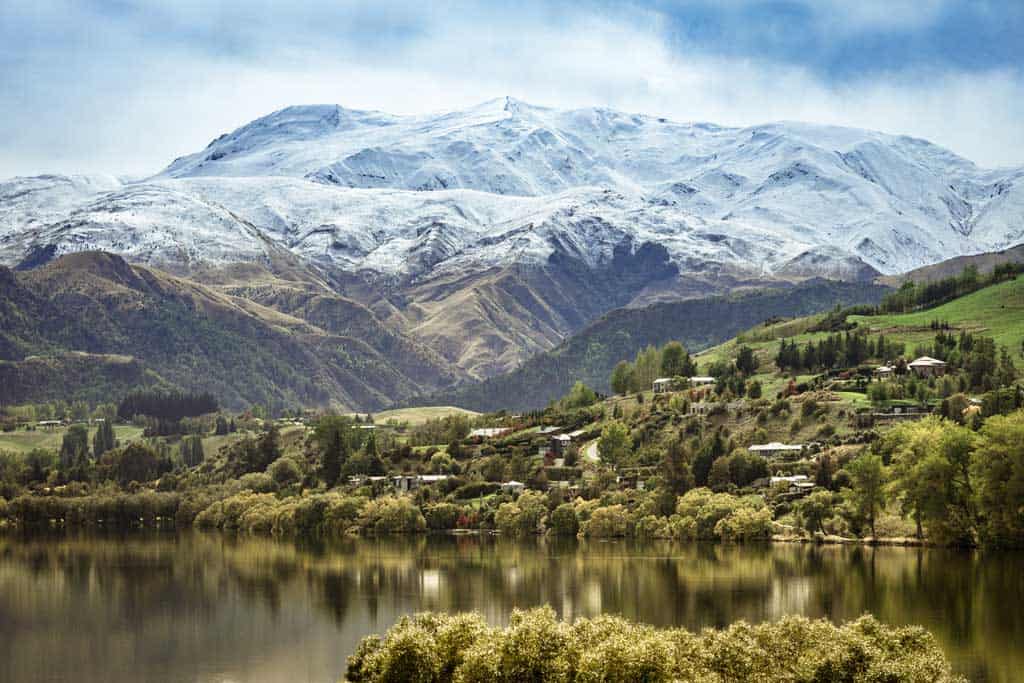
(90, 325)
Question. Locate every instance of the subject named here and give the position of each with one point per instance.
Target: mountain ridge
(472, 231)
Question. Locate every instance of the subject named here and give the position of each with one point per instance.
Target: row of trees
(913, 295)
(958, 486)
(845, 350)
(171, 406)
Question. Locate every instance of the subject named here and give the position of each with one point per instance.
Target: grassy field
(996, 311)
(417, 416)
(21, 441)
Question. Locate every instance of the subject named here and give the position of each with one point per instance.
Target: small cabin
(702, 381)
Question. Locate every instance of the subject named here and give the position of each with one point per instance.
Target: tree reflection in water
(210, 607)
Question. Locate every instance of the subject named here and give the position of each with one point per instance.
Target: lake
(200, 607)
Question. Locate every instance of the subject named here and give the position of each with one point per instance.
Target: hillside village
(796, 429)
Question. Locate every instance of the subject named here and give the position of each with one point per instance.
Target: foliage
(997, 471)
(165, 405)
(614, 446)
(867, 493)
(536, 646)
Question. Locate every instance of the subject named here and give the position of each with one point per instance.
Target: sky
(124, 87)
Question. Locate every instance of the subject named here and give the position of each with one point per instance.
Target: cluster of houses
(923, 367)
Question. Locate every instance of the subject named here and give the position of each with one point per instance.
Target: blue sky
(124, 87)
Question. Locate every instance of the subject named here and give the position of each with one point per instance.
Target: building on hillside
(702, 381)
(884, 371)
(776, 449)
(49, 425)
(925, 366)
(559, 444)
(488, 432)
(513, 487)
(663, 385)
(411, 482)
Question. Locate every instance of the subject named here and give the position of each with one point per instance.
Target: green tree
(103, 440)
(676, 472)
(997, 474)
(614, 446)
(622, 378)
(74, 446)
(746, 361)
(930, 462)
(813, 510)
(192, 451)
(335, 454)
(134, 462)
(580, 396)
(867, 494)
(676, 361)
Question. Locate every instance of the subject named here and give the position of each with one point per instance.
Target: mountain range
(477, 239)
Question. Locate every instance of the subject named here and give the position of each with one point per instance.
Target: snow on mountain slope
(506, 182)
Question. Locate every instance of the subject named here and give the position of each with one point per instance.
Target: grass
(21, 441)
(417, 416)
(996, 311)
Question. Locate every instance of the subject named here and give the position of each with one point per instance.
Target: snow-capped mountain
(509, 182)
(428, 203)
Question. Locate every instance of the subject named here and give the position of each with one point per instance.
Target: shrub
(258, 482)
(609, 522)
(536, 646)
(391, 515)
(442, 516)
(564, 521)
(284, 472)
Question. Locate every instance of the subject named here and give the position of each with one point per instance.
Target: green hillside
(996, 311)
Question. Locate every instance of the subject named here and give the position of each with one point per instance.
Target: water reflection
(198, 607)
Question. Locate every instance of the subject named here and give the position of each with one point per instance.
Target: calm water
(198, 607)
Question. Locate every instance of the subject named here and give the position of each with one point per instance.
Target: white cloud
(128, 99)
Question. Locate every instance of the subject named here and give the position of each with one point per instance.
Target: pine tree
(334, 458)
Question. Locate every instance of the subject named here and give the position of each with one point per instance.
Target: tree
(135, 462)
(103, 440)
(746, 361)
(74, 446)
(719, 478)
(192, 451)
(867, 495)
(222, 426)
(676, 473)
(930, 474)
(580, 396)
(676, 361)
(268, 446)
(335, 455)
(710, 450)
(813, 510)
(614, 445)
(622, 378)
(284, 472)
(997, 475)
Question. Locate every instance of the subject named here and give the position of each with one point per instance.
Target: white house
(776, 448)
(702, 381)
(513, 487)
(663, 385)
(488, 432)
(925, 366)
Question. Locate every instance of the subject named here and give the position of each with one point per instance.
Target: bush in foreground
(536, 646)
